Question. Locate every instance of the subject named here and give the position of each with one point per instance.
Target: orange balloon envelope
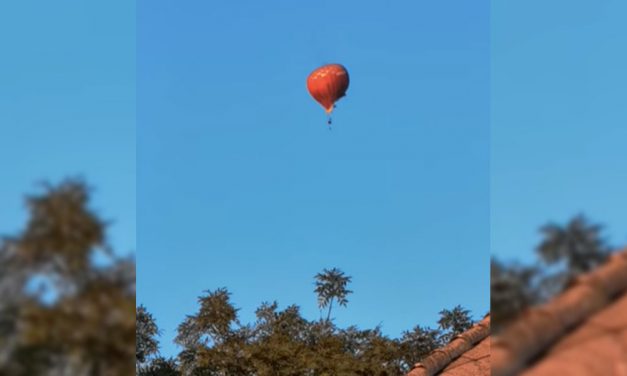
(328, 84)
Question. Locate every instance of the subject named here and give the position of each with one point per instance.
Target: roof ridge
(440, 358)
(540, 327)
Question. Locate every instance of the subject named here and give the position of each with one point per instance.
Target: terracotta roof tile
(474, 362)
(583, 331)
(468, 354)
(597, 347)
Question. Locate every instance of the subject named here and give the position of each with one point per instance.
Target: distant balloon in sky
(327, 85)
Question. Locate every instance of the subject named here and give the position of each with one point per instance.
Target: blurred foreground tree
(578, 243)
(61, 313)
(564, 252)
(513, 288)
(571, 249)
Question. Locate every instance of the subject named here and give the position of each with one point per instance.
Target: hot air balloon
(327, 84)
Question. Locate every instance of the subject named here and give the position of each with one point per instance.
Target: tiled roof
(583, 331)
(468, 354)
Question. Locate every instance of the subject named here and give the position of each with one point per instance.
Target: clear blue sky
(67, 106)
(559, 124)
(240, 184)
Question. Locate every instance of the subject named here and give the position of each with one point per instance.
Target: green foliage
(417, 343)
(146, 332)
(159, 367)
(284, 343)
(454, 322)
(332, 285)
(212, 323)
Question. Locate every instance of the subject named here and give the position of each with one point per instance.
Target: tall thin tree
(332, 285)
